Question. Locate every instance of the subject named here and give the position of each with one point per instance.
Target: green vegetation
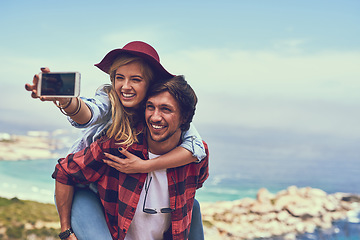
(20, 219)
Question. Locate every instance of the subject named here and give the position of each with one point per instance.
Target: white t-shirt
(151, 226)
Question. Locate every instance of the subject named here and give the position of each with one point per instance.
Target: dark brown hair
(183, 94)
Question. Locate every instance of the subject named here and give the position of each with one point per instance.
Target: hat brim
(159, 71)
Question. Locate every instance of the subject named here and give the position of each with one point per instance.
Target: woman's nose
(126, 84)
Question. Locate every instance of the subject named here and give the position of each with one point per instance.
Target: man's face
(163, 117)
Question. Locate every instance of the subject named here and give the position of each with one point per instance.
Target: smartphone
(59, 84)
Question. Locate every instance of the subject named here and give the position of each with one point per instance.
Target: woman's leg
(196, 228)
(87, 216)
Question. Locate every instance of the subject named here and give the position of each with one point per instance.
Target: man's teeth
(157, 126)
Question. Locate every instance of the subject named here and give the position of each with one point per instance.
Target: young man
(143, 206)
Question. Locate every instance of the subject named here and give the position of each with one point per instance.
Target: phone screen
(58, 84)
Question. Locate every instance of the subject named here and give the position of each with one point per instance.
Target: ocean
(242, 161)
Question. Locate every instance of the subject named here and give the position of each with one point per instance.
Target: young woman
(115, 111)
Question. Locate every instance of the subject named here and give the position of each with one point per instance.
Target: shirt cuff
(192, 145)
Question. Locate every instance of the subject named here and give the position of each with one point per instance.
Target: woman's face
(130, 84)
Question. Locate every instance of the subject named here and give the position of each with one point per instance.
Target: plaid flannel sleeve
(83, 167)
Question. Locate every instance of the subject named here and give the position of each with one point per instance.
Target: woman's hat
(140, 49)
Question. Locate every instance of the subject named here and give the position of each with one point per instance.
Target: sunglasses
(162, 210)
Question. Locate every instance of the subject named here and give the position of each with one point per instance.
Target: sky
(278, 66)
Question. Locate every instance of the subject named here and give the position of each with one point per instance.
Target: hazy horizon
(281, 68)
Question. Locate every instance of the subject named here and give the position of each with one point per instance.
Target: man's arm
(64, 195)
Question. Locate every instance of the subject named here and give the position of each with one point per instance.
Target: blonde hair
(124, 121)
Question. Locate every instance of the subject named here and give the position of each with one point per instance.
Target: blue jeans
(87, 216)
(88, 220)
(196, 227)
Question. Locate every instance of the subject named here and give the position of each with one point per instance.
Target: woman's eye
(136, 79)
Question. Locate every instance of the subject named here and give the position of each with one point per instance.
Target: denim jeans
(196, 227)
(87, 216)
(88, 220)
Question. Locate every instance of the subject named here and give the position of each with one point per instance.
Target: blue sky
(286, 65)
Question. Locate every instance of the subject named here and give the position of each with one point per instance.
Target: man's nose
(156, 116)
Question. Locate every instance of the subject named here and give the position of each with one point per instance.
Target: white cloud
(256, 89)
(290, 46)
(325, 75)
(314, 93)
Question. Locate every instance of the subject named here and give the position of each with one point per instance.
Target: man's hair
(183, 94)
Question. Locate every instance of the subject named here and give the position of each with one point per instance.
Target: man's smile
(157, 126)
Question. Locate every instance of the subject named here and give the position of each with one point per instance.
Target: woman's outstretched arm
(69, 105)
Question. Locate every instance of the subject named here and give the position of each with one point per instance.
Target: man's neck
(160, 148)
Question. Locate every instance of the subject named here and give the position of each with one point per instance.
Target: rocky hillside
(287, 213)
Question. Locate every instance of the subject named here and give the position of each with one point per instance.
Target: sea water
(241, 162)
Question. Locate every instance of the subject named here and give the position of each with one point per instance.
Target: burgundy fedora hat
(140, 49)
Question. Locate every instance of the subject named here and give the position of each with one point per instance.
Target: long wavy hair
(125, 120)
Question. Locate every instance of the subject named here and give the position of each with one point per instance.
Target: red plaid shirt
(119, 192)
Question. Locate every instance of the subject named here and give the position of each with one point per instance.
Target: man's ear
(183, 121)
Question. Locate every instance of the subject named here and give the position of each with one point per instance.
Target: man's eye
(149, 107)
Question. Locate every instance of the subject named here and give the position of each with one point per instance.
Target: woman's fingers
(125, 152)
(45, 69)
(110, 163)
(112, 157)
(33, 87)
(28, 87)
(33, 94)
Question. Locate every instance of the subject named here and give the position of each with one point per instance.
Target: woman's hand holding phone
(54, 86)
(34, 86)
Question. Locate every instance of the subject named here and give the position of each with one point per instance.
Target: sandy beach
(26, 147)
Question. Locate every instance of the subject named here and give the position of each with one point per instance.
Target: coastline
(34, 146)
(287, 213)
(284, 215)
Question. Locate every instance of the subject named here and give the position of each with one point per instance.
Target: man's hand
(72, 237)
(130, 164)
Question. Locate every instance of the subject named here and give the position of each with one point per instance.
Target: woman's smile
(130, 84)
